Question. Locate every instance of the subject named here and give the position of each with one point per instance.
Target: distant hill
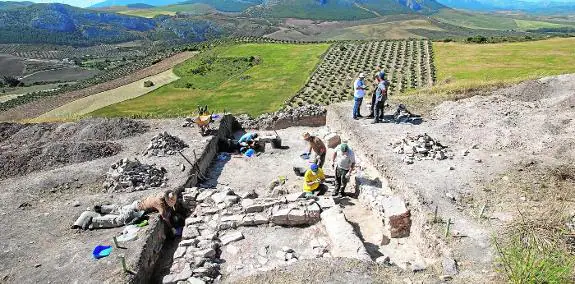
(140, 6)
(544, 7)
(63, 24)
(110, 3)
(342, 9)
(12, 4)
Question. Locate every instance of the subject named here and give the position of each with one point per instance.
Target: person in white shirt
(344, 161)
(359, 88)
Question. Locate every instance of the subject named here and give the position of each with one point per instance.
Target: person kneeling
(314, 179)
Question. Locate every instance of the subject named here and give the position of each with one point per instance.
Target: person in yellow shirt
(313, 181)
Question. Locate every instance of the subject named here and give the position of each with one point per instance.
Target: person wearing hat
(313, 181)
(344, 161)
(359, 88)
(317, 146)
(110, 216)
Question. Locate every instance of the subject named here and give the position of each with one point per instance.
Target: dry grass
(534, 248)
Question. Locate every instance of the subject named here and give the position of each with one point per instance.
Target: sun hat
(313, 167)
(361, 75)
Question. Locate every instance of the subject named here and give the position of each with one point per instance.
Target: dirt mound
(550, 91)
(52, 155)
(25, 148)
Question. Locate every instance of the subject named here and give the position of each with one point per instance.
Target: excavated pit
(247, 197)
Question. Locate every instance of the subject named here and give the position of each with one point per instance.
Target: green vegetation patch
(247, 78)
(475, 20)
(533, 25)
(467, 65)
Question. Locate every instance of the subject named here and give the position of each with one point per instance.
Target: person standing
(359, 88)
(380, 98)
(317, 146)
(344, 162)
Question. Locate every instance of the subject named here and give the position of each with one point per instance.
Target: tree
(11, 81)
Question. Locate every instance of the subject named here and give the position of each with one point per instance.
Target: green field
(533, 25)
(221, 79)
(466, 65)
(475, 20)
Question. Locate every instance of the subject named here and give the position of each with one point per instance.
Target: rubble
(420, 147)
(127, 175)
(289, 115)
(165, 144)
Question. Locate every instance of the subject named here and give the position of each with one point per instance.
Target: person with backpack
(380, 98)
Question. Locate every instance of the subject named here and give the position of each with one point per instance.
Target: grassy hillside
(533, 25)
(229, 78)
(475, 20)
(189, 9)
(462, 66)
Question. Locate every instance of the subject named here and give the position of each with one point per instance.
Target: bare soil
(505, 132)
(38, 209)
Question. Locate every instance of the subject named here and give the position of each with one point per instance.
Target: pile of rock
(420, 147)
(127, 175)
(277, 119)
(165, 144)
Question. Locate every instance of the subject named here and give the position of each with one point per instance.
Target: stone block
(397, 215)
(204, 195)
(190, 232)
(180, 252)
(400, 225)
(231, 237)
(247, 202)
(326, 202)
(345, 242)
(294, 196)
(294, 217)
(254, 208)
(206, 253)
(449, 266)
(194, 220)
(254, 220)
(189, 243)
(232, 218)
(332, 140)
(195, 280)
(250, 194)
(231, 200)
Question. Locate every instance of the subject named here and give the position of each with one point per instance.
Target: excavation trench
(249, 234)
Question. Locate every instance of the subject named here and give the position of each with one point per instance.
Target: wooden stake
(447, 228)
(116, 243)
(124, 266)
(482, 211)
(435, 215)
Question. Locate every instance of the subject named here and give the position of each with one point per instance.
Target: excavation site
(423, 197)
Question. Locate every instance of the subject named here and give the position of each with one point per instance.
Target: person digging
(317, 146)
(313, 184)
(113, 215)
(344, 162)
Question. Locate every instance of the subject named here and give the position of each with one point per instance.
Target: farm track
(43, 105)
(88, 104)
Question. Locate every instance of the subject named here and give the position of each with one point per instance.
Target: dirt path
(91, 103)
(43, 105)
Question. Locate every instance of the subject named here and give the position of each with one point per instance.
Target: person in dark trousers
(359, 89)
(344, 161)
(380, 98)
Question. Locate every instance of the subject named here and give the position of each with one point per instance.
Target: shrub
(148, 84)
